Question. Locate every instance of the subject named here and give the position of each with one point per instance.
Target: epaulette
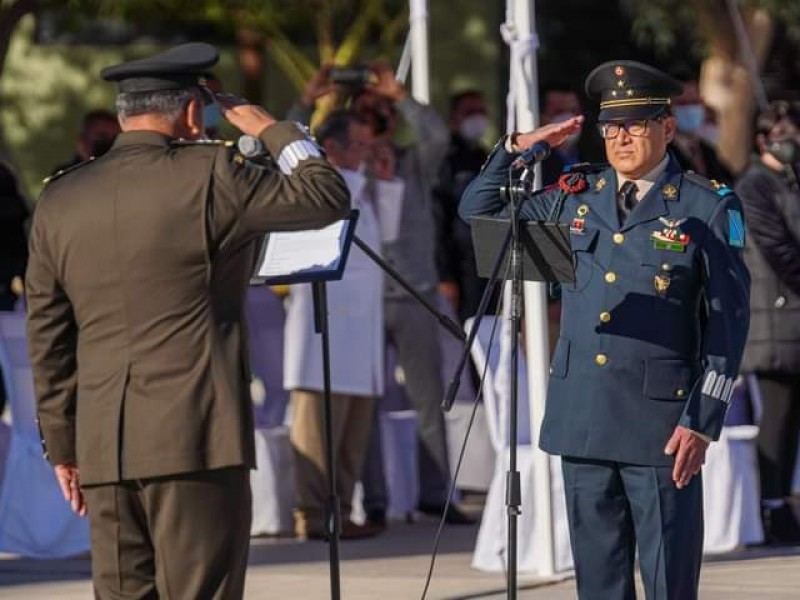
(500, 143)
(63, 172)
(203, 142)
(586, 167)
(710, 184)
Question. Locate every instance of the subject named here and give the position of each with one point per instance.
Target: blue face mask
(211, 116)
(690, 117)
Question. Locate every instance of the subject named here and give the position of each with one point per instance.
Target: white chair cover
(490, 548)
(478, 464)
(272, 481)
(35, 521)
(731, 496)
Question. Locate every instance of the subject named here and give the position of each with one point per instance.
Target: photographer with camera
(379, 98)
(770, 196)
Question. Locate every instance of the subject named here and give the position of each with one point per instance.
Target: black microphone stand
(515, 192)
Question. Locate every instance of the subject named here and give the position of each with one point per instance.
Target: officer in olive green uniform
(652, 332)
(139, 261)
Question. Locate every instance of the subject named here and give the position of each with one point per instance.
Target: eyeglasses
(635, 127)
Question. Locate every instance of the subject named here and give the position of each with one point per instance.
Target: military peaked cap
(178, 68)
(628, 89)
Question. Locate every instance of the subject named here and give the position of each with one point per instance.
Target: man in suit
(652, 334)
(138, 266)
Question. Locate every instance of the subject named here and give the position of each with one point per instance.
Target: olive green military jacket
(139, 263)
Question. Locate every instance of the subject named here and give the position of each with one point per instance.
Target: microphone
(535, 154)
(251, 147)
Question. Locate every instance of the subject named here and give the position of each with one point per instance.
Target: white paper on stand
(303, 251)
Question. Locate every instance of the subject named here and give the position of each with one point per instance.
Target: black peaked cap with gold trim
(178, 68)
(628, 89)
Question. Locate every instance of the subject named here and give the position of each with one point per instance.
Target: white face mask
(474, 127)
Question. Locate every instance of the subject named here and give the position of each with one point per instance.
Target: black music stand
(315, 257)
(529, 251)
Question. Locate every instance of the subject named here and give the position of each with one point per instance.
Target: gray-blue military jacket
(653, 329)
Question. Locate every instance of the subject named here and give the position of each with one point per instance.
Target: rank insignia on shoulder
(586, 167)
(735, 229)
(710, 184)
(63, 172)
(202, 142)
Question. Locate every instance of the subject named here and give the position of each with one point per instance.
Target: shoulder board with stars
(586, 167)
(202, 142)
(63, 172)
(710, 184)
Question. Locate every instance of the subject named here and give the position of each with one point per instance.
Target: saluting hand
(69, 482)
(248, 118)
(554, 134)
(690, 454)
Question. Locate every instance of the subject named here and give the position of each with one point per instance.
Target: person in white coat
(355, 310)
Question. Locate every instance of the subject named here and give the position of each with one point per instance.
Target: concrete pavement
(394, 566)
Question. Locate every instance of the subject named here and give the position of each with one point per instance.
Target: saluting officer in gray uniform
(651, 337)
(139, 262)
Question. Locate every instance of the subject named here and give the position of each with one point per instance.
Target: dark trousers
(778, 433)
(185, 536)
(414, 332)
(612, 508)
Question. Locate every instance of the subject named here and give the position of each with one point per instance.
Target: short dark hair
(777, 111)
(336, 126)
(96, 115)
(555, 85)
(458, 97)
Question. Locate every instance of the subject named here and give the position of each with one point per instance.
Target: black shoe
(781, 527)
(454, 515)
(377, 517)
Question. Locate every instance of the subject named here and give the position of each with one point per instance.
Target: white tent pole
(536, 323)
(418, 20)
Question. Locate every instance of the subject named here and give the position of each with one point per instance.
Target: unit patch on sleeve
(735, 229)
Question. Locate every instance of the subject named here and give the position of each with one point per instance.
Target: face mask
(211, 116)
(474, 127)
(690, 117)
(787, 151)
(572, 139)
(710, 133)
(100, 146)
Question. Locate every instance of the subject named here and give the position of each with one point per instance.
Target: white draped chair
(478, 463)
(490, 549)
(272, 481)
(731, 495)
(35, 521)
